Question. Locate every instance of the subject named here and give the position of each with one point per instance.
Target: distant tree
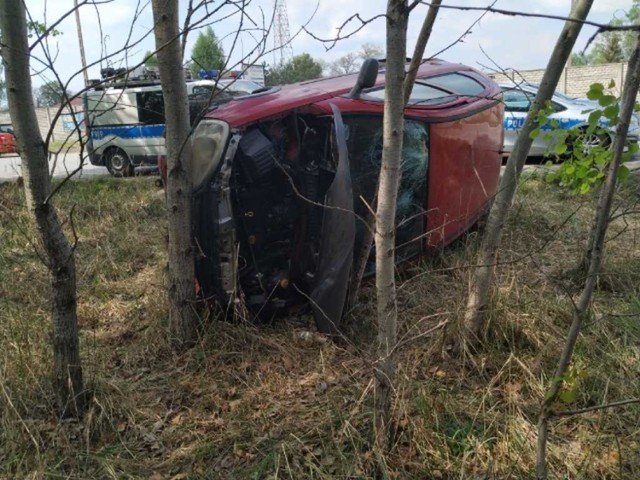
(578, 59)
(350, 63)
(299, 68)
(150, 59)
(50, 94)
(608, 49)
(207, 54)
(612, 47)
(370, 50)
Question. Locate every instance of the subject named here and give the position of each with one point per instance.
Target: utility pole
(80, 41)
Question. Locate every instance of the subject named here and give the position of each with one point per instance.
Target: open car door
(337, 239)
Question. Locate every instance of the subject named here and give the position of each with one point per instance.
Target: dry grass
(278, 402)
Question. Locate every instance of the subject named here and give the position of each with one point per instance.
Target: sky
(510, 42)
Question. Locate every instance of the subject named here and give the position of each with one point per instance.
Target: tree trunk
(481, 282)
(362, 257)
(630, 90)
(421, 44)
(69, 389)
(393, 125)
(183, 318)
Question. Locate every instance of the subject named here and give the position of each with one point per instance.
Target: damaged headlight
(208, 142)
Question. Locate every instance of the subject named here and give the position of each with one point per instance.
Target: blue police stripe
(129, 131)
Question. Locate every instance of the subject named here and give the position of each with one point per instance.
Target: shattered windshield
(364, 142)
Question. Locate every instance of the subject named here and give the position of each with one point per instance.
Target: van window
(150, 107)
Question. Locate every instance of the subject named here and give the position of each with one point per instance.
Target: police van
(125, 121)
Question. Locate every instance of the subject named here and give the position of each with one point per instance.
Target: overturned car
(283, 179)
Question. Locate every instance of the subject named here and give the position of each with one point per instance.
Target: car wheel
(118, 163)
(587, 141)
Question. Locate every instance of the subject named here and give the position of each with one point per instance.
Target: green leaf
(534, 134)
(623, 173)
(612, 84)
(561, 148)
(611, 112)
(594, 117)
(607, 100)
(568, 396)
(584, 188)
(595, 91)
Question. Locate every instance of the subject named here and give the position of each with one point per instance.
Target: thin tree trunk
(183, 319)
(367, 242)
(630, 90)
(481, 282)
(69, 388)
(393, 125)
(421, 44)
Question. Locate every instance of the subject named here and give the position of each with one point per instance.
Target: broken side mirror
(366, 78)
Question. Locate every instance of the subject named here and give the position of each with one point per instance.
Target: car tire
(118, 163)
(588, 141)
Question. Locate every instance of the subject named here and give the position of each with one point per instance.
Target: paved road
(64, 166)
(66, 163)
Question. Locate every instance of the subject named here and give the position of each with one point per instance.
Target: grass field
(278, 401)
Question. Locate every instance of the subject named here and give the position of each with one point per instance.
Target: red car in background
(281, 178)
(7, 139)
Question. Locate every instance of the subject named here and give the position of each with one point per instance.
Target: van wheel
(118, 163)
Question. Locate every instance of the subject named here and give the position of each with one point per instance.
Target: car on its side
(569, 112)
(283, 180)
(7, 139)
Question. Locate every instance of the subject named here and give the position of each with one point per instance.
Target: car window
(199, 89)
(457, 83)
(150, 107)
(517, 100)
(364, 144)
(421, 94)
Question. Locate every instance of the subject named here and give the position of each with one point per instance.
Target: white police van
(125, 121)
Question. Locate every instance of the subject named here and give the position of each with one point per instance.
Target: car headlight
(208, 142)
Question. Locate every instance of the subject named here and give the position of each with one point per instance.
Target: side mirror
(366, 78)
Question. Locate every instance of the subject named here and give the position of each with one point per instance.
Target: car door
(337, 239)
(517, 103)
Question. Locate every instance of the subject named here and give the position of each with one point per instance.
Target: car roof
(277, 101)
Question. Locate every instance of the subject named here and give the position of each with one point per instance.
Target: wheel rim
(589, 141)
(117, 162)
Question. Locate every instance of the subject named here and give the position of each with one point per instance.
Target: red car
(7, 139)
(281, 178)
